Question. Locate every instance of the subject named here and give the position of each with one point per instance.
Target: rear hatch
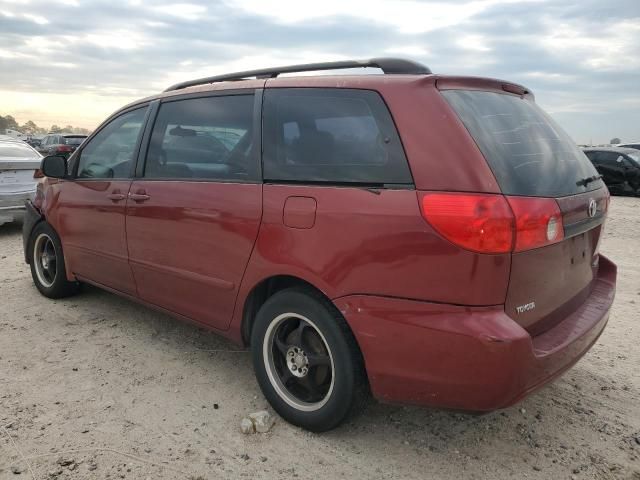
(536, 163)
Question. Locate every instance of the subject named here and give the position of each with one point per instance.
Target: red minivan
(430, 239)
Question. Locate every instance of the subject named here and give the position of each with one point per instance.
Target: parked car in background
(634, 145)
(19, 164)
(619, 167)
(60, 144)
(431, 239)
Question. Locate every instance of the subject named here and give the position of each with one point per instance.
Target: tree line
(30, 128)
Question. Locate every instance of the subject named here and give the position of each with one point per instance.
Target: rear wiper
(586, 181)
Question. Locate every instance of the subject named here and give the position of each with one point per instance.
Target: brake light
(538, 222)
(64, 148)
(490, 223)
(482, 223)
(38, 174)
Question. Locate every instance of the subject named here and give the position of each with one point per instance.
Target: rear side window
(204, 138)
(527, 151)
(331, 135)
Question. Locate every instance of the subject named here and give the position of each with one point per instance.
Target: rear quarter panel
(372, 244)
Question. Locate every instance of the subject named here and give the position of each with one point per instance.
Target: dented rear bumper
(468, 358)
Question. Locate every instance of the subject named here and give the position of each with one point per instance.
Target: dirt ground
(97, 387)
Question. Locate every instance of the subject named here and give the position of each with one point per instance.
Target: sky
(76, 61)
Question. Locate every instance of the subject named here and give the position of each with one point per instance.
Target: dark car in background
(619, 167)
(60, 144)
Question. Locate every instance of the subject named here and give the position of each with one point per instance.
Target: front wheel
(47, 263)
(306, 360)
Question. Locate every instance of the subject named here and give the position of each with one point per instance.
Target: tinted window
(109, 154)
(527, 151)
(609, 158)
(73, 140)
(331, 135)
(16, 150)
(204, 138)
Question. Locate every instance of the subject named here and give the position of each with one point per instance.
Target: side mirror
(54, 166)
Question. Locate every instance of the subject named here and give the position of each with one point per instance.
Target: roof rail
(387, 65)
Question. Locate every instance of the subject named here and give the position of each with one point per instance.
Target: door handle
(116, 196)
(139, 197)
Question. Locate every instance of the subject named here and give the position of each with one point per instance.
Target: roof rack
(387, 65)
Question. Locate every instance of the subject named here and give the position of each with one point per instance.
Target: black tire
(325, 341)
(50, 283)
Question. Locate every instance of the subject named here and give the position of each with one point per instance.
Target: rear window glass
(331, 135)
(73, 140)
(527, 151)
(11, 150)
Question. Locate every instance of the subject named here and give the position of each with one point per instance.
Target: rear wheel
(47, 263)
(306, 360)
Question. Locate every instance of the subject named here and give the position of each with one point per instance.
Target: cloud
(581, 58)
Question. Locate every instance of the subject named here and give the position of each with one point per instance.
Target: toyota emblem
(593, 208)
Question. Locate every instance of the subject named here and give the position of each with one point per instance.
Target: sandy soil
(98, 387)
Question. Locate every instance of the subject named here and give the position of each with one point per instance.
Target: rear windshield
(11, 150)
(527, 151)
(73, 140)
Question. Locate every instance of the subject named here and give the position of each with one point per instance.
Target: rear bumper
(468, 358)
(12, 205)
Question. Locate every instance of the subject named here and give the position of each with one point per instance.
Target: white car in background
(19, 172)
(635, 145)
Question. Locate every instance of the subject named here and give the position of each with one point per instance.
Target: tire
(306, 360)
(49, 275)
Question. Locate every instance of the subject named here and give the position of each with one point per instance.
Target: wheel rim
(299, 362)
(45, 260)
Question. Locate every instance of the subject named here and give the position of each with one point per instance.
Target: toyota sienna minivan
(428, 239)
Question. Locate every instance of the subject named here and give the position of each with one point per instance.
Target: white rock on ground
(260, 422)
(246, 426)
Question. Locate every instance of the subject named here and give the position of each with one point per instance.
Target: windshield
(635, 157)
(16, 150)
(527, 151)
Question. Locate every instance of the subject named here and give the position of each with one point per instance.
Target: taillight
(482, 223)
(491, 223)
(38, 174)
(538, 222)
(64, 148)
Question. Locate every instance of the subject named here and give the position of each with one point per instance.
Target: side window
(204, 138)
(45, 142)
(109, 154)
(331, 135)
(609, 159)
(623, 161)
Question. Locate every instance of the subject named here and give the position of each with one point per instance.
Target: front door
(91, 211)
(193, 215)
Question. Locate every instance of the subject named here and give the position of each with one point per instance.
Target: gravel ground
(97, 387)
